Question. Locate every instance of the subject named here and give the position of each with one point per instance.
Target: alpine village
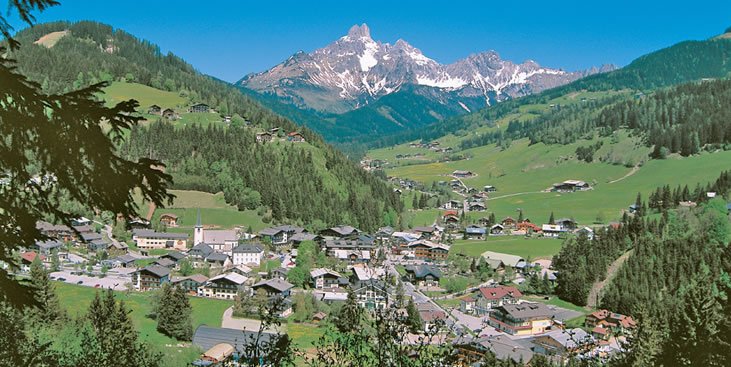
(360, 205)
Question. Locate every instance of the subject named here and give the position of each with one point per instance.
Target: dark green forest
(286, 180)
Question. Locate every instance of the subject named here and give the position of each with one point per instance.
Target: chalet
(176, 256)
(504, 259)
(560, 344)
(450, 217)
(88, 237)
(316, 318)
(190, 283)
(325, 278)
(353, 256)
(427, 233)
(423, 275)
(373, 295)
(521, 319)
(477, 206)
(274, 287)
(472, 350)
(219, 260)
(169, 220)
(247, 254)
(97, 245)
(298, 238)
(427, 250)
(430, 317)
(170, 114)
(497, 229)
(552, 230)
(47, 247)
(489, 298)
(341, 231)
(60, 232)
(154, 110)
(484, 221)
(474, 232)
(633, 208)
(295, 137)
(199, 107)
(139, 223)
(571, 186)
(606, 319)
(264, 137)
(467, 304)
(363, 275)
(240, 269)
(150, 277)
(26, 259)
(453, 205)
(220, 240)
(585, 231)
(462, 174)
(383, 236)
(274, 131)
(282, 235)
(527, 227)
(508, 222)
(200, 251)
(165, 263)
(148, 239)
(278, 273)
(692, 204)
(489, 188)
(404, 238)
(566, 224)
(124, 261)
(224, 286)
(227, 119)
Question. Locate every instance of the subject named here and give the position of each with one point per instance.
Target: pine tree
(414, 319)
(551, 220)
(350, 315)
(174, 314)
(49, 307)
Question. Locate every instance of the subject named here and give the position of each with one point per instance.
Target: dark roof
(47, 245)
(216, 256)
(526, 310)
(500, 292)
(424, 270)
(176, 256)
(278, 284)
(343, 230)
(164, 262)
(200, 249)
(246, 248)
(157, 270)
(88, 237)
(424, 229)
(207, 337)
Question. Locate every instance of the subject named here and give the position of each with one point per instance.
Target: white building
(247, 254)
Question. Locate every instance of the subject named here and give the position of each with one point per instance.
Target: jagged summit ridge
(356, 70)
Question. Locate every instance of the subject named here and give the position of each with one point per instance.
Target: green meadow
(145, 95)
(532, 248)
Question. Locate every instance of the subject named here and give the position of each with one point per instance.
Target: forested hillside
(684, 62)
(310, 183)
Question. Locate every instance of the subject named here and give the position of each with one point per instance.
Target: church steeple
(198, 231)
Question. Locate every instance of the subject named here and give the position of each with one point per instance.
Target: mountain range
(355, 72)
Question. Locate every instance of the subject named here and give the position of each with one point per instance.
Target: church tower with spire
(198, 232)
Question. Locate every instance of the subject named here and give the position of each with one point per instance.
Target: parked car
(96, 286)
(62, 279)
(80, 282)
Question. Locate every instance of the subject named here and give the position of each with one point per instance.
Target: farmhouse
(477, 206)
(26, 259)
(586, 231)
(453, 205)
(363, 275)
(170, 114)
(508, 222)
(521, 319)
(427, 233)
(169, 220)
(47, 247)
(325, 278)
(264, 137)
(150, 277)
(281, 235)
(462, 174)
(606, 319)
(566, 224)
(505, 259)
(200, 251)
(199, 107)
(190, 283)
(472, 350)
(224, 286)
(527, 227)
(489, 188)
(217, 259)
(427, 250)
(154, 110)
(247, 254)
(571, 186)
(562, 343)
(295, 137)
(274, 287)
(423, 275)
(491, 297)
(341, 231)
(148, 239)
(373, 295)
(552, 230)
(474, 232)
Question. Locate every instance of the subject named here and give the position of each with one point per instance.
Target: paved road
(228, 321)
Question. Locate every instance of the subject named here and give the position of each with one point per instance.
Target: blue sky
(229, 39)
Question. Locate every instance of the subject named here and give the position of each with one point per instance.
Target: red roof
(468, 299)
(508, 218)
(293, 134)
(600, 330)
(30, 256)
(450, 213)
(500, 292)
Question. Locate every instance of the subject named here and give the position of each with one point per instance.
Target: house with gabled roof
(281, 235)
(295, 137)
(561, 344)
(423, 275)
(488, 298)
(521, 319)
(264, 137)
(475, 232)
(274, 287)
(247, 254)
(149, 239)
(189, 283)
(224, 286)
(341, 232)
(505, 259)
(150, 277)
(325, 278)
(427, 250)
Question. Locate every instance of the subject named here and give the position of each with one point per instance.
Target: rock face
(356, 70)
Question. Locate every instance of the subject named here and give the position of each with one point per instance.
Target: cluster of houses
(571, 186)
(81, 234)
(434, 146)
(532, 329)
(273, 133)
(404, 183)
(370, 164)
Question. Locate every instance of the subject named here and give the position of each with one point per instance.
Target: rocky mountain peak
(359, 31)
